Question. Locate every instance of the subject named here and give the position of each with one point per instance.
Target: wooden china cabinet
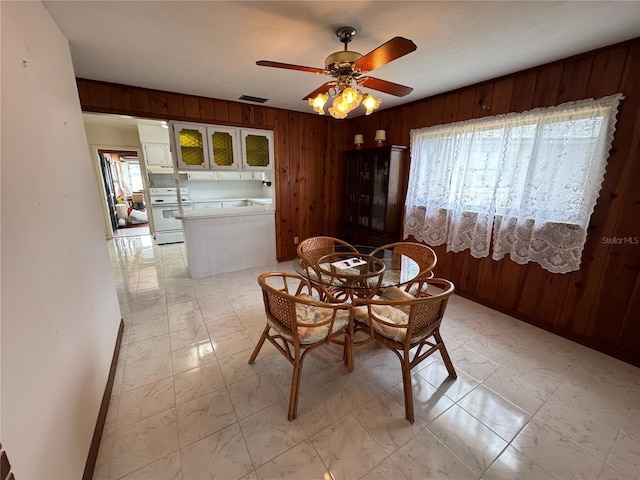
(374, 189)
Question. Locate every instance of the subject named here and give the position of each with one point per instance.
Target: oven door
(164, 216)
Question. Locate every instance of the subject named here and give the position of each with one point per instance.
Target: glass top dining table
(360, 274)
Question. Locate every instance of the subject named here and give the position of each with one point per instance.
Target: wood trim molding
(104, 407)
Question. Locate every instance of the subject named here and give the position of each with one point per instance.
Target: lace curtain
(528, 181)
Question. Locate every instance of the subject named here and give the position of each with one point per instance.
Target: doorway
(124, 191)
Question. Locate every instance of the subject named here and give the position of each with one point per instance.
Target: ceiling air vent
(249, 98)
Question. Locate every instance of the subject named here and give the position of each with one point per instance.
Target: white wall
(117, 136)
(112, 136)
(60, 313)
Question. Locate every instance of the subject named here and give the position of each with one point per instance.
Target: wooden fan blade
(321, 89)
(384, 86)
(387, 52)
(288, 66)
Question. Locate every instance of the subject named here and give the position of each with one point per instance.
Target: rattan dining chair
(426, 259)
(310, 251)
(401, 325)
(298, 323)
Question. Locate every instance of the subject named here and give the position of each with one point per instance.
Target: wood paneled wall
(308, 149)
(599, 305)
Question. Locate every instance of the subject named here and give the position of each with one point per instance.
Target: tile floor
(132, 231)
(186, 405)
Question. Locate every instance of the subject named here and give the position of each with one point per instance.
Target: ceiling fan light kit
(347, 67)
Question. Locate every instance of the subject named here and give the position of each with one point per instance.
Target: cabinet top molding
(378, 149)
(226, 125)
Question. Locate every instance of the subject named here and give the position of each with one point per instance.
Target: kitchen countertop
(218, 212)
(231, 199)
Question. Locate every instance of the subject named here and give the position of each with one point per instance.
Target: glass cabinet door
(257, 149)
(380, 185)
(352, 191)
(365, 194)
(374, 191)
(191, 146)
(223, 148)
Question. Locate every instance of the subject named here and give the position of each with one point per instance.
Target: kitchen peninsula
(219, 240)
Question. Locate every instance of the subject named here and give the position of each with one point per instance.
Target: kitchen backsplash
(199, 190)
(205, 190)
(163, 180)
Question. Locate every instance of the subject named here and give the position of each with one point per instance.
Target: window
(127, 177)
(528, 181)
(133, 176)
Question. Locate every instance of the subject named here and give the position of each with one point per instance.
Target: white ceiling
(209, 48)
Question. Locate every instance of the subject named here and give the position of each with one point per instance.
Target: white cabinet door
(192, 151)
(257, 149)
(224, 148)
(157, 154)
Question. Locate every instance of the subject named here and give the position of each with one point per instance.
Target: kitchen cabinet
(157, 154)
(373, 195)
(224, 151)
(220, 148)
(190, 140)
(257, 149)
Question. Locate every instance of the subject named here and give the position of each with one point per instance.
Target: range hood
(159, 169)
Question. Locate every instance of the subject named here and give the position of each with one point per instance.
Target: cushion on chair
(388, 314)
(395, 293)
(427, 290)
(310, 315)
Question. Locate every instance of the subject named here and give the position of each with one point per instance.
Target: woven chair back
(314, 248)
(280, 310)
(426, 314)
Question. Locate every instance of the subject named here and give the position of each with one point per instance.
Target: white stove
(167, 194)
(164, 208)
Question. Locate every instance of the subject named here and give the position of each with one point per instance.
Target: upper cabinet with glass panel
(223, 148)
(191, 146)
(213, 147)
(257, 149)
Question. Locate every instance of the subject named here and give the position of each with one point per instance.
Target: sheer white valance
(531, 179)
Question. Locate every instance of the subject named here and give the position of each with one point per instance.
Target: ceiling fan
(348, 68)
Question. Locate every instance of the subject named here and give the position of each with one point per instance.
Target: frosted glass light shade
(371, 103)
